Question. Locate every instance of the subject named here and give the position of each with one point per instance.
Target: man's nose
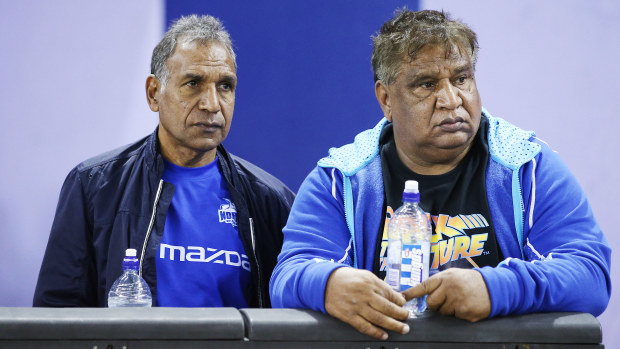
(209, 100)
(447, 95)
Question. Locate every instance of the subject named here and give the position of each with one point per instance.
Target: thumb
(421, 289)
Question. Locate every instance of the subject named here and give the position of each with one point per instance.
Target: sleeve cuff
(504, 289)
(314, 283)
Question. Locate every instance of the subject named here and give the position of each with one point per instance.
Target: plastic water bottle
(130, 289)
(409, 238)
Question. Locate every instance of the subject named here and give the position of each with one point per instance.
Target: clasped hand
(367, 303)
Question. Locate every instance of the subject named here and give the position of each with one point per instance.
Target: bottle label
(412, 266)
(392, 277)
(393, 264)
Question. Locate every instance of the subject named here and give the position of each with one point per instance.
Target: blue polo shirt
(201, 261)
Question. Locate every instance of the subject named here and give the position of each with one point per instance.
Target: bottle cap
(131, 261)
(411, 186)
(411, 192)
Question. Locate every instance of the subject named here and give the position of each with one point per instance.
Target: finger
(436, 299)
(366, 327)
(386, 307)
(447, 307)
(426, 287)
(387, 322)
(388, 293)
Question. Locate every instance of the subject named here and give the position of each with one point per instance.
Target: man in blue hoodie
(513, 232)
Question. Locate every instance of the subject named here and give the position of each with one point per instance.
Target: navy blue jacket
(117, 200)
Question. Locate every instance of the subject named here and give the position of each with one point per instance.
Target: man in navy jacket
(179, 185)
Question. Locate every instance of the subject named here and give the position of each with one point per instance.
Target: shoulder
(510, 145)
(116, 157)
(352, 157)
(115, 167)
(260, 179)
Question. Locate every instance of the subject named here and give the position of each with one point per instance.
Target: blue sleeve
(316, 242)
(567, 257)
(67, 275)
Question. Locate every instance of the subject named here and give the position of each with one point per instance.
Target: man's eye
(427, 84)
(192, 83)
(461, 80)
(226, 86)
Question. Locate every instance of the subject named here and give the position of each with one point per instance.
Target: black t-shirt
(463, 234)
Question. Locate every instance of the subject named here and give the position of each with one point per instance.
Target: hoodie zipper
(519, 215)
(260, 296)
(151, 223)
(346, 187)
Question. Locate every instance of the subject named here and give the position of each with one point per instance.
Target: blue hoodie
(556, 257)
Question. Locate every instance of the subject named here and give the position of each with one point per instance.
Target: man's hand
(362, 300)
(455, 292)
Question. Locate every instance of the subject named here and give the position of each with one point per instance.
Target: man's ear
(153, 87)
(383, 97)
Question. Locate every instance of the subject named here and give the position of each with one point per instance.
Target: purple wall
(552, 67)
(73, 76)
(73, 86)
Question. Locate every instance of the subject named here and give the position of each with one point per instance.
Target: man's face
(434, 106)
(196, 106)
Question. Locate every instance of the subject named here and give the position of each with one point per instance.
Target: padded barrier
(98, 328)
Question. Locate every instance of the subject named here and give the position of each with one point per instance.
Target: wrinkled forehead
(200, 46)
(433, 57)
(451, 50)
(200, 52)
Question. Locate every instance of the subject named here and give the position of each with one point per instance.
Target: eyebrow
(190, 76)
(231, 79)
(415, 78)
(463, 68)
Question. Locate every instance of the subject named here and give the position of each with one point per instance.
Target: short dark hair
(188, 28)
(410, 31)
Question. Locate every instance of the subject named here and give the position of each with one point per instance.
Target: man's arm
(314, 268)
(567, 259)
(67, 275)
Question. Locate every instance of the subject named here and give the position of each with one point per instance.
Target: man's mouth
(208, 126)
(452, 124)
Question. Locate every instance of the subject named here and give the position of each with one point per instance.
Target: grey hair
(409, 32)
(188, 29)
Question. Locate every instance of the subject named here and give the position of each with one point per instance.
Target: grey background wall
(73, 86)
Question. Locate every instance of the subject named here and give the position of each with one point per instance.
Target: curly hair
(410, 31)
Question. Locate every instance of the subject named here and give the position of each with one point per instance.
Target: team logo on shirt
(228, 213)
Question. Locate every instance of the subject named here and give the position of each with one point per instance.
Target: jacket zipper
(151, 223)
(346, 186)
(519, 215)
(260, 296)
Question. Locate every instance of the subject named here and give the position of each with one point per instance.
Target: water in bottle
(130, 289)
(409, 236)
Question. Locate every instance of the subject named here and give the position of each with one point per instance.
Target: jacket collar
(508, 145)
(153, 158)
(155, 162)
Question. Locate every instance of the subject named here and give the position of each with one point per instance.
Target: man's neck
(188, 158)
(444, 160)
